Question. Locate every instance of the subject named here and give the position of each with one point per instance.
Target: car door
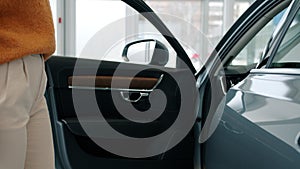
(257, 122)
(101, 110)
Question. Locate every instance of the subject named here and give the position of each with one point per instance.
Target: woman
(26, 39)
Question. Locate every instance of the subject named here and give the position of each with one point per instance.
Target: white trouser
(25, 130)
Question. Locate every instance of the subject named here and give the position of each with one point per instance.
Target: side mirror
(148, 51)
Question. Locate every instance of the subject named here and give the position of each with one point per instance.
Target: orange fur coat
(26, 27)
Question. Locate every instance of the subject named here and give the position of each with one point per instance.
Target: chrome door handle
(230, 128)
(126, 96)
(298, 139)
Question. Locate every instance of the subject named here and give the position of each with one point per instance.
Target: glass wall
(204, 21)
(198, 24)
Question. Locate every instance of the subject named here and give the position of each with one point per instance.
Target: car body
(237, 141)
(260, 122)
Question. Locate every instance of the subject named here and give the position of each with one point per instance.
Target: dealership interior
(77, 21)
(164, 84)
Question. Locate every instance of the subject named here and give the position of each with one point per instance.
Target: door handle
(126, 96)
(298, 139)
(230, 128)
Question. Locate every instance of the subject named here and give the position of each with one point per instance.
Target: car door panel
(255, 127)
(79, 150)
(241, 142)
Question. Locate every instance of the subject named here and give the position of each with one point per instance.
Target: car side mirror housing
(147, 51)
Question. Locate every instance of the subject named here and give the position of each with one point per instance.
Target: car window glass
(287, 55)
(252, 52)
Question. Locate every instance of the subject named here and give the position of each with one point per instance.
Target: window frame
(250, 32)
(283, 29)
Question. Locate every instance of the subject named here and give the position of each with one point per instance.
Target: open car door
(128, 102)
